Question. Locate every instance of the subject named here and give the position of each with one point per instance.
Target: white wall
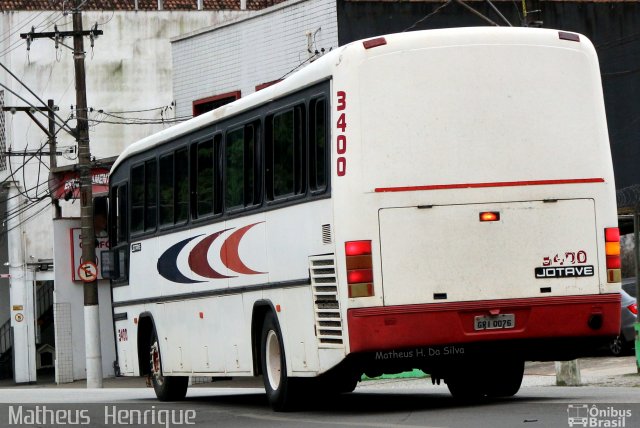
(128, 69)
(249, 51)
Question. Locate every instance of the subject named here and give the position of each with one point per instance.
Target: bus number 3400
(341, 142)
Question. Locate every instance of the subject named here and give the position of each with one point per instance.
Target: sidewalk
(602, 371)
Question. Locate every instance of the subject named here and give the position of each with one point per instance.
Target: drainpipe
(21, 293)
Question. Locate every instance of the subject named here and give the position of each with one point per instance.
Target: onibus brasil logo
(594, 416)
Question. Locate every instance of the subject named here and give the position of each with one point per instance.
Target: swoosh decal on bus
(198, 258)
(229, 252)
(167, 263)
(493, 184)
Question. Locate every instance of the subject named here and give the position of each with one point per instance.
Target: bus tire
(465, 388)
(167, 388)
(281, 389)
(506, 379)
(466, 382)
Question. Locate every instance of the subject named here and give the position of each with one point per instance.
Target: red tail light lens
(357, 248)
(359, 268)
(612, 234)
(633, 308)
(612, 251)
(613, 262)
(359, 275)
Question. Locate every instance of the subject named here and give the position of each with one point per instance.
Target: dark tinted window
(182, 185)
(137, 199)
(166, 190)
(285, 153)
(318, 144)
(241, 173)
(151, 195)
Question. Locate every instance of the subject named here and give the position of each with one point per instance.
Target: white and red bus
(441, 200)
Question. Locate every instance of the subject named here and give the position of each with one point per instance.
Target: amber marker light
(489, 216)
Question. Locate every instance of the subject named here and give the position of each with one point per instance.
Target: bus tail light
(359, 268)
(633, 308)
(612, 250)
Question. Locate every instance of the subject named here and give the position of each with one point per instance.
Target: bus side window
(122, 234)
(119, 234)
(151, 195)
(285, 154)
(137, 198)
(318, 145)
(207, 177)
(181, 185)
(242, 167)
(166, 190)
(144, 185)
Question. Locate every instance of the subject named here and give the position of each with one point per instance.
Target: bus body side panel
(204, 323)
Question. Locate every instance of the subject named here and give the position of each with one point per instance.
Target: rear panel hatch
(445, 253)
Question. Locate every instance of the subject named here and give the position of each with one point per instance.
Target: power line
(427, 16)
(69, 130)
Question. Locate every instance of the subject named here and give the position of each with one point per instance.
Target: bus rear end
(476, 203)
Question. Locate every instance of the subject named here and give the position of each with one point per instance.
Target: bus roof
(323, 68)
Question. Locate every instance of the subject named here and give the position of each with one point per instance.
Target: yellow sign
(18, 308)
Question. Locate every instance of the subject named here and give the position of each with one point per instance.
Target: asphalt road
(610, 398)
(395, 403)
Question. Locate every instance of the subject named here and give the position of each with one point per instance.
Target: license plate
(494, 322)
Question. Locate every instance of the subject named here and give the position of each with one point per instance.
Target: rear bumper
(441, 324)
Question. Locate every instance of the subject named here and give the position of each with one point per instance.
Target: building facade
(129, 96)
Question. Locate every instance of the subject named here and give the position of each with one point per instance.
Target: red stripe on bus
(494, 184)
(398, 327)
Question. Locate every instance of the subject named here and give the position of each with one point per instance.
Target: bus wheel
(280, 389)
(169, 388)
(506, 379)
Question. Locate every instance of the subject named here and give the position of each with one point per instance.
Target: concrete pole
(20, 294)
(568, 373)
(91, 308)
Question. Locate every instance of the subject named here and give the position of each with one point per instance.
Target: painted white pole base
(92, 346)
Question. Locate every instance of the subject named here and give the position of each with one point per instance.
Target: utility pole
(50, 132)
(91, 308)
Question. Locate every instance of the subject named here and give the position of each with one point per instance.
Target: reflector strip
(493, 184)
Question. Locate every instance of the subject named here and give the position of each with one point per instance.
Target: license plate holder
(494, 322)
